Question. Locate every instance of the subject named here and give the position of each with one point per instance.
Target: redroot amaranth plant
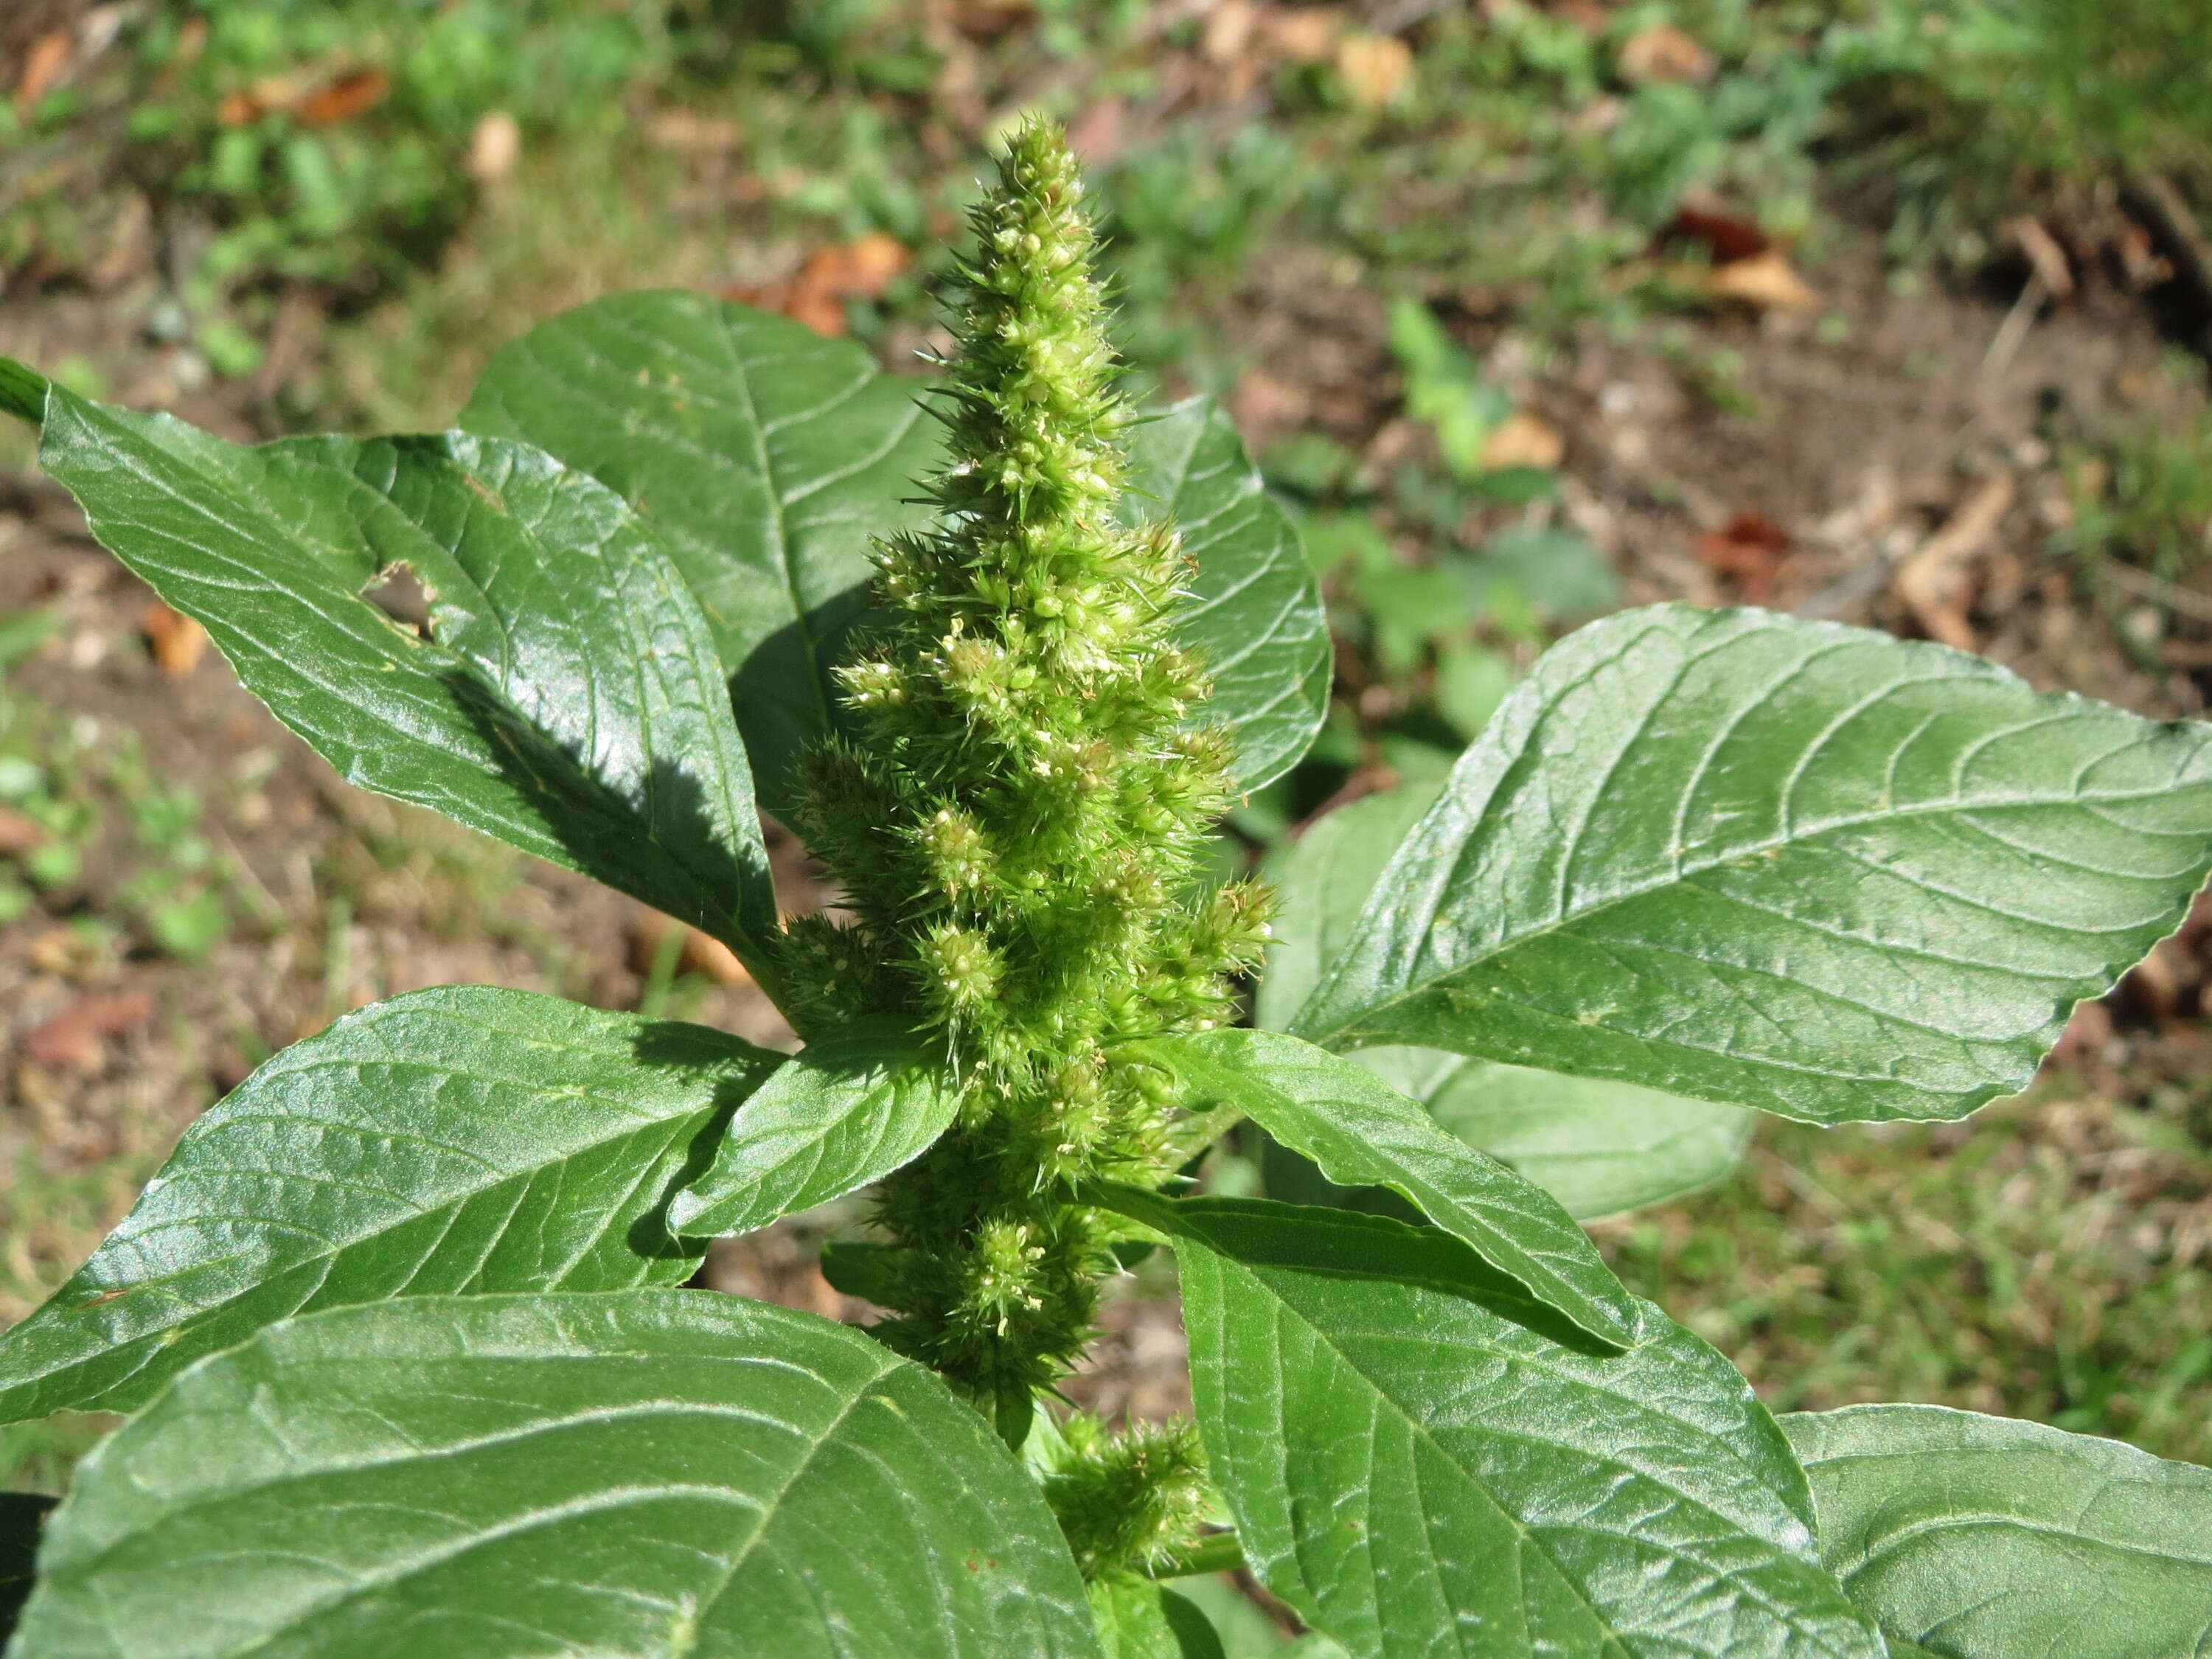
(401, 1327)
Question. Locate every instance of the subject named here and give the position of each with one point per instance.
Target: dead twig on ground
(1934, 584)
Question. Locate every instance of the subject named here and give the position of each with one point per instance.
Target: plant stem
(1218, 1552)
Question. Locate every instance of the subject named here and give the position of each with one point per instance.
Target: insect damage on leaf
(1019, 832)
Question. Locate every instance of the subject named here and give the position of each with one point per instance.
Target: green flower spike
(1018, 839)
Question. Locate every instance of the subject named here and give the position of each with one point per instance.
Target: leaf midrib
(1419, 1430)
(1679, 874)
(779, 536)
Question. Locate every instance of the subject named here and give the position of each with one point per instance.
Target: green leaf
(657, 1474)
(1472, 680)
(1256, 616)
(1985, 1538)
(1362, 1132)
(1321, 881)
(1245, 1632)
(23, 1515)
(864, 1268)
(852, 1107)
(461, 1138)
(1550, 567)
(1416, 1467)
(1597, 1146)
(765, 458)
(1785, 864)
(568, 702)
(1139, 1619)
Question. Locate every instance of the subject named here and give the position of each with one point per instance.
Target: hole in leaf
(401, 595)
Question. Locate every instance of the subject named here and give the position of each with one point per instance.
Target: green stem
(1218, 1552)
(23, 391)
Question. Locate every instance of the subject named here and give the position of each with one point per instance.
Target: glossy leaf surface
(456, 1140)
(1419, 1469)
(1362, 1132)
(1596, 1145)
(568, 700)
(1985, 1538)
(1779, 863)
(849, 1109)
(768, 458)
(1322, 882)
(645, 1474)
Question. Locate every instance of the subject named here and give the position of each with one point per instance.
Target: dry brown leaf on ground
(495, 146)
(1247, 33)
(1660, 51)
(1375, 69)
(18, 833)
(344, 99)
(1523, 439)
(2044, 256)
(331, 104)
(1936, 583)
(1096, 135)
(42, 70)
(1263, 405)
(78, 1037)
(986, 20)
(1747, 548)
(859, 269)
(1766, 281)
(1729, 235)
(700, 953)
(176, 643)
(1304, 34)
(1593, 17)
(1230, 30)
(237, 109)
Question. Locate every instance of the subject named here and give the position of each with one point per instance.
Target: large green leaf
(1256, 616)
(643, 1474)
(1362, 1132)
(1139, 1619)
(1779, 863)
(460, 1138)
(1985, 1538)
(1417, 1467)
(852, 1107)
(569, 701)
(767, 459)
(1322, 882)
(1596, 1145)
(22, 1516)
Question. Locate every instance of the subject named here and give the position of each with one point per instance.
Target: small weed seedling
(401, 1328)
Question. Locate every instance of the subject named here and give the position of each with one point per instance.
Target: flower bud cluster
(1018, 829)
(1124, 1500)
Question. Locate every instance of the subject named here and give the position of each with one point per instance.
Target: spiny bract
(1019, 827)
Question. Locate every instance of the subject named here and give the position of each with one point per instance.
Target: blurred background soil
(1882, 310)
